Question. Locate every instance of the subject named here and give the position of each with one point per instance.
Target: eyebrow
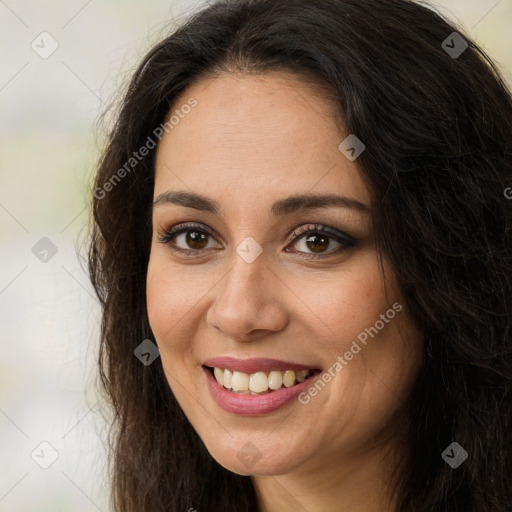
(287, 206)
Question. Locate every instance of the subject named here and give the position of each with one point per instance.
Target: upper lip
(253, 365)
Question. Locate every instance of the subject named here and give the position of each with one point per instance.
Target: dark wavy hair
(438, 134)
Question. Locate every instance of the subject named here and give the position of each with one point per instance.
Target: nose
(249, 302)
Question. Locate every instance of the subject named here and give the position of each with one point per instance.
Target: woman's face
(246, 295)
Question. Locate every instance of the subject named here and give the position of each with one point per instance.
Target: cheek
(369, 329)
(170, 299)
(349, 302)
(159, 303)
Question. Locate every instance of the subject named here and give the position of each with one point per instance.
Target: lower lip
(254, 405)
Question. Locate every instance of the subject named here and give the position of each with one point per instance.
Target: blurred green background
(48, 146)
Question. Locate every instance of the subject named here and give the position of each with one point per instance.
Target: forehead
(262, 136)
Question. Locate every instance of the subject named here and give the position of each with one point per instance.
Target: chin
(250, 459)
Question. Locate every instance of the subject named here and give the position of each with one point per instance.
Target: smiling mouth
(259, 383)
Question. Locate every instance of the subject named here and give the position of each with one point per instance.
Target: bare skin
(249, 142)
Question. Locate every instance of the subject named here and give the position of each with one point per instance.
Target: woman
(302, 248)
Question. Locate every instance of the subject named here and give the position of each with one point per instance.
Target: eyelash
(299, 232)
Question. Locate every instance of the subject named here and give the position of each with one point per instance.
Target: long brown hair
(438, 132)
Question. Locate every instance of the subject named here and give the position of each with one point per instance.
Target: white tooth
(240, 381)
(301, 375)
(219, 375)
(227, 379)
(289, 378)
(275, 380)
(258, 382)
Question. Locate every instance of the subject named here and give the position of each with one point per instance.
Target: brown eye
(195, 239)
(317, 242)
(186, 238)
(314, 241)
